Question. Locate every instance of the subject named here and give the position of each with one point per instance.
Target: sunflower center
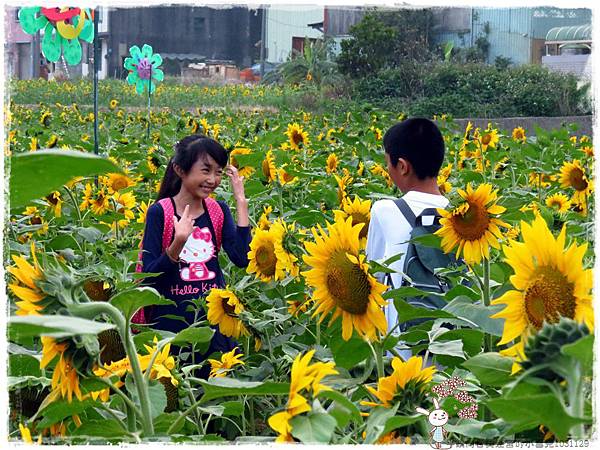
(297, 138)
(52, 199)
(266, 259)
(266, 168)
(227, 308)
(348, 284)
(549, 296)
(471, 224)
(486, 139)
(577, 180)
(119, 183)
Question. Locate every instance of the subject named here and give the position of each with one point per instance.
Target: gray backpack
(421, 261)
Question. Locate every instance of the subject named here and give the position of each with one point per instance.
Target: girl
(188, 259)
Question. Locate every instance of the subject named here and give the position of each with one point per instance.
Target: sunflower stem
(318, 337)
(576, 398)
(130, 419)
(486, 300)
(377, 350)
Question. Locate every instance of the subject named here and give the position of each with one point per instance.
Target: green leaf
(396, 422)
(348, 354)
(61, 409)
(408, 312)
(106, 428)
(450, 348)
(23, 365)
(377, 421)
(26, 380)
(491, 369)
(316, 428)
(344, 402)
(479, 314)
(582, 350)
(163, 422)
(233, 408)
(56, 326)
(226, 387)
(51, 169)
(128, 302)
(156, 393)
(200, 336)
(534, 410)
(475, 429)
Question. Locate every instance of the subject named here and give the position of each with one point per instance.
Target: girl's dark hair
(187, 151)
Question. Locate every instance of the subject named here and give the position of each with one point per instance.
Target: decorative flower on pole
(143, 68)
(63, 27)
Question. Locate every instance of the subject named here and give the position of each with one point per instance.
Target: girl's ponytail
(171, 183)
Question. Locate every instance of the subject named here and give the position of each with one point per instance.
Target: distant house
(568, 49)
(515, 33)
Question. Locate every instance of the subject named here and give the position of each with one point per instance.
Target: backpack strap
(428, 212)
(168, 226)
(408, 214)
(216, 217)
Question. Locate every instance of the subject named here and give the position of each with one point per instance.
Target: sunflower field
(509, 357)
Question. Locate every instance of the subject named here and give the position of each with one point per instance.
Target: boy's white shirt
(389, 233)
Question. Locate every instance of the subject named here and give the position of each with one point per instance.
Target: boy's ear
(403, 166)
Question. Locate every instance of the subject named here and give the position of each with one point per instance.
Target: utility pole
(35, 55)
(263, 33)
(96, 58)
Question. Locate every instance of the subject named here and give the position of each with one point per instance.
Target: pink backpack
(216, 217)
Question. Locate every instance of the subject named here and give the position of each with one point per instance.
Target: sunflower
(297, 136)
(359, 211)
(342, 281)
(332, 163)
(116, 181)
(33, 144)
(223, 367)
(378, 169)
(488, 138)
(407, 376)
(588, 150)
(286, 260)
(304, 377)
(143, 210)
(223, 309)
(245, 171)
(471, 226)
(286, 178)
(97, 201)
(268, 167)
(113, 104)
(36, 219)
(559, 202)
(549, 283)
(343, 184)
(65, 380)
(263, 255)
(45, 118)
(163, 363)
(55, 203)
(573, 175)
(25, 434)
(263, 222)
(518, 134)
(24, 285)
(52, 141)
(538, 179)
(50, 350)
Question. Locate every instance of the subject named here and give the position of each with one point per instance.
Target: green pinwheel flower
(63, 27)
(143, 68)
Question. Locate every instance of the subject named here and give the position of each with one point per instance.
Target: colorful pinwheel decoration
(143, 68)
(63, 27)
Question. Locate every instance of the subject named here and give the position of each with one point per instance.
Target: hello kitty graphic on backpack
(216, 216)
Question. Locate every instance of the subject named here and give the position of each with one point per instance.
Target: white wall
(580, 65)
(285, 22)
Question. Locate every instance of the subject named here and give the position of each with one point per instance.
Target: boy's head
(414, 149)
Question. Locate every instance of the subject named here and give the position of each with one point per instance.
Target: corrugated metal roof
(182, 56)
(573, 33)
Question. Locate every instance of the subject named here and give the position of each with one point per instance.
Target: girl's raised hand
(184, 226)
(237, 183)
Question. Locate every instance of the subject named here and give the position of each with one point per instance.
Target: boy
(414, 153)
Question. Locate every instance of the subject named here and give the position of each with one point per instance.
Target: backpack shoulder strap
(168, 225)
(428, 212)
(216, 218)
(406, 211)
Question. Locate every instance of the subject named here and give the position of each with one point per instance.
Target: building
(568, 50)
(185, 34)
(18, 47)
(515, 33)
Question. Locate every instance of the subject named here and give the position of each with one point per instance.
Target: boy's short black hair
(420, 142)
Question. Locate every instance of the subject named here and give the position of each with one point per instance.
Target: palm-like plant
(313, 65)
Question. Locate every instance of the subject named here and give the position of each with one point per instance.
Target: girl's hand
(237, 184)
(184, 226)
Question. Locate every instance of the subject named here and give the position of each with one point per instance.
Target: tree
(384, 39)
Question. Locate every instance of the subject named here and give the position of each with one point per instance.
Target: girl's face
(203, 177)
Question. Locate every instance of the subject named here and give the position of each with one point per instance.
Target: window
(199, 24)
